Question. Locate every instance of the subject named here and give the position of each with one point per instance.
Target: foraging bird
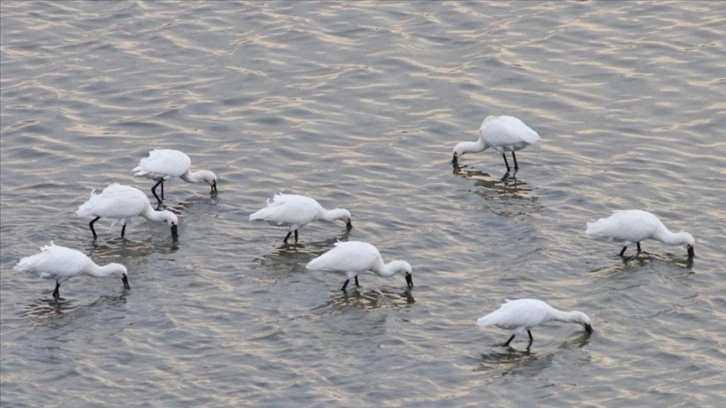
(166, 164)
(120, 204)
(501, 133)
(524, 314)
(354, 258)
(61, 263)
(297, 210)
(633, 226)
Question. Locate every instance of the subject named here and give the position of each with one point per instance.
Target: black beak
(125, 280)
(691, 252)
(214, 186)
(455, 160)
(174, 232)
(349, 225)
(588, 328)
(409, 280)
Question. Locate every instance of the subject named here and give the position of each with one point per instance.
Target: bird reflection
(366, 300)
(505, 186)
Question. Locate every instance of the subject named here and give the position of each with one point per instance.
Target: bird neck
(388, 269)
(671, 238)
(106, 270)
(574, 317)
(332, 215)
(200, 176)
(471, 147)
(153, 215)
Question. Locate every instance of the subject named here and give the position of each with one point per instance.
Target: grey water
(359, 105)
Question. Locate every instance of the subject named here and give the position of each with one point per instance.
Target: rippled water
(359, 104)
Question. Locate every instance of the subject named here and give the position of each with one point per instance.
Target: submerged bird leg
(515, 160)
(90, 224)
(639, 251)
(56, 292)
(623, 251)
(123, 231)
(287, 236)
(345, 285)
(296, 236)
(504, 155)
(153, 190)
(509, 341)
(356, 281)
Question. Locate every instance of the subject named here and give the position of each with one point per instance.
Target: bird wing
(54, 262)
(506, 130)
(116, 202)
(626, 226)
(165, 163)
(346, 256)
(288, 209)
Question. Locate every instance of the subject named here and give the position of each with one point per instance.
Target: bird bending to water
(297, 210)
(524, 314)
(166, 164)
(120, 204)
(501, 133)
(354, 258)
(633, 226)
(61, 263)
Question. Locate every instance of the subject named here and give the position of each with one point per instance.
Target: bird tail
(596, 229)
(486, 321)
(273, 208)
(139, 171)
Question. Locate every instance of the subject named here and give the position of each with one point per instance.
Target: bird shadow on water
(366, 300)
(511, 361)
(58, 310)
(641, 261)
(506, 188)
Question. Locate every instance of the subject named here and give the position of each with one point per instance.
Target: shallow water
(359, 105)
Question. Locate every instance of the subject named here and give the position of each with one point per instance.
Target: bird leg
(531, 339)
(123, 231)
(90, 224)
(504, 155)
(515, 160)
(356, 281)
(153, 190)
(296, 236)
(639, 251)
(56, 292)
(287, 236)
(623, 251)
(345, 285)
(509, 341)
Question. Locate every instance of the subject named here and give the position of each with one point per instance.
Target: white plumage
(61, 263)
(501, 133)
(523, 314)
(632, 226)
(356, 257)
(166, 164)
(296, 211)
(122, 203)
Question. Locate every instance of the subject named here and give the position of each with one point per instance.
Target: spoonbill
(61, 263)
(296, 211)
(120, 204)
(354, 258)
(633, 226)
(501, 133)
(166, 164)
(524, 314)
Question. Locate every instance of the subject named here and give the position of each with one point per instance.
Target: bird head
(404, 268)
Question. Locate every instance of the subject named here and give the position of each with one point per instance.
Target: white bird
(61, 263)
(501, 133)
(120, 204)
(296, 211)
(354, 258)
(633, 226)
(167, 164)
(524, 314)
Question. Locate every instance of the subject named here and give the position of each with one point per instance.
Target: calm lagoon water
(359, 105)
